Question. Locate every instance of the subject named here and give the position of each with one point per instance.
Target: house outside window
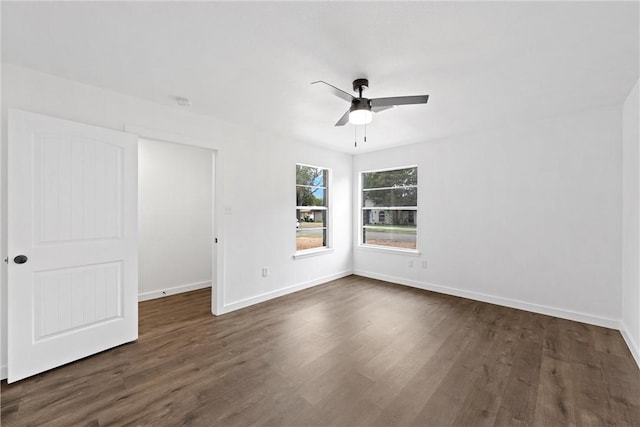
(312, 207)
(389, 206)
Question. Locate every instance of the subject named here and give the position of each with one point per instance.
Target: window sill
(395, 251)
(312, 252)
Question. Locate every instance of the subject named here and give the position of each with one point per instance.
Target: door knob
(20, 259)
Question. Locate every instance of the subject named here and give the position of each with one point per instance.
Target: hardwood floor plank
(463, 396)
(355, 352)
(406, 406)
(519, 397)
(482, 403)
(554, 403)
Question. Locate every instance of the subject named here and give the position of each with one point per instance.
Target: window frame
(382, 248)
(326, 207)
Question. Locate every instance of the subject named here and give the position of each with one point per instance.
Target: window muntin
(311, 207)
(389, 208)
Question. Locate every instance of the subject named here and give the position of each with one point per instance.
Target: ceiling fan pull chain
(365, 132)
(355, 136)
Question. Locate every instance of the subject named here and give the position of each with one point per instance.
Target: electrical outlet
(265, 271)
(424, 264)
(410, 263)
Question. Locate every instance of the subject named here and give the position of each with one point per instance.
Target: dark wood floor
(352, 352)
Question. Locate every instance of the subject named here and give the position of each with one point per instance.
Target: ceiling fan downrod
(360, 85)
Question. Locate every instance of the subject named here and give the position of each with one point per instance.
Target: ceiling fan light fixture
(360, 117)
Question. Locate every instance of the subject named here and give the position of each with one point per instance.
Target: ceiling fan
(362, 109)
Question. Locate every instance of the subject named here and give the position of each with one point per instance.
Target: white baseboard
(506, 302)
(631, 343)
(3, 372)
(281, 292)
(172, 291)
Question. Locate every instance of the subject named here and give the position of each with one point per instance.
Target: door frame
(217, 285)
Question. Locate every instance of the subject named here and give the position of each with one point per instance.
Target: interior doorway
(175, 218)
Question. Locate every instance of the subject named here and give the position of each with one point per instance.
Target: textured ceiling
(484, 65)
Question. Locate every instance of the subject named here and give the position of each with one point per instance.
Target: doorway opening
(175, 218)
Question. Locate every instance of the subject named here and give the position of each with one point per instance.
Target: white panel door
(72, 241)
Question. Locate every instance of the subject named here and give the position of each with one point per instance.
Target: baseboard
(506, 302)
(3, 372)
(631, 343)
(281, 292)
(172, 291)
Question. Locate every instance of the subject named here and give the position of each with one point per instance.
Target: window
(389, 206)
(312, 207)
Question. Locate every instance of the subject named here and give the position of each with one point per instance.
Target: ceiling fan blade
(399, 100)
(337, 92)
(344, 119)
(382, 108)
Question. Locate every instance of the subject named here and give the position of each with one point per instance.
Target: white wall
(256, 171)
(175, 194)
(527, 216)
(631, 223)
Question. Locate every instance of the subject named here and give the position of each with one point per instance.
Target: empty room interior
(465, 180)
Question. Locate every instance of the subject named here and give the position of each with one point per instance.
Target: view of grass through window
(389, 207)
(311, 207)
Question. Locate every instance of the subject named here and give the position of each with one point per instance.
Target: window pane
(397, 238)
(312, 218)
(389, 227)
(389, 218)
(307, 175)
(391, 197)
(392, 178)
(310, 196)
(310, 238)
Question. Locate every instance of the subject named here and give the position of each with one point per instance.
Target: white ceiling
(483, 64)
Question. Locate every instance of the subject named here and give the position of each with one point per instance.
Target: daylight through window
(312, 207)
(389, 207)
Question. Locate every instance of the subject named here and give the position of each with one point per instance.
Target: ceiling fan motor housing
(360, 104)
